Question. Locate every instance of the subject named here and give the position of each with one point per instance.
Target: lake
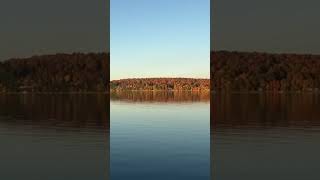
(54, 137)
(160, 135)
(265, 136)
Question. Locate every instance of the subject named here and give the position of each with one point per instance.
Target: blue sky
(160, 38)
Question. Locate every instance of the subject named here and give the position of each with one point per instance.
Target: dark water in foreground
(265, 137)
(160, 136)
(54, 137)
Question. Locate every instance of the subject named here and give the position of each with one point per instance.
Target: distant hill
(75, 72)
(243, 71)
(230, 71)
(164, 84)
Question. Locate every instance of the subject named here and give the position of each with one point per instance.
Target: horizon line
(159, 78)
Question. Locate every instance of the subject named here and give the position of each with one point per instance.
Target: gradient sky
(280, 26)
(34, 27)
(166, 38)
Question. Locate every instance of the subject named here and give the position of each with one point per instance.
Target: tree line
(244, 71)
(77, 72)
(161, 84)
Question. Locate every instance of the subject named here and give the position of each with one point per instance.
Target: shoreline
(45, 93)
(168, 91)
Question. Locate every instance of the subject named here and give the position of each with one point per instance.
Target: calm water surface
(265, 136)
(54, 137)
(160, 136)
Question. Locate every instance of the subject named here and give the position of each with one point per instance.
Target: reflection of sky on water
(160, 141)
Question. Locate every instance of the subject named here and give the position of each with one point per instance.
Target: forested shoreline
(77, 72)
(161, 84)
(230, 71)
(252, 71)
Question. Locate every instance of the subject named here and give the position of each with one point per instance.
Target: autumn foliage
(241, 71)
(161, 84)
(75, 72)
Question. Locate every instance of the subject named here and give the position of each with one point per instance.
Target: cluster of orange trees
(240, 71)
(77, 72)
(166, 84)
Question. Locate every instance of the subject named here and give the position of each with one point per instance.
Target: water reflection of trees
(265, 110)
(63, 110)
(160, 96)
